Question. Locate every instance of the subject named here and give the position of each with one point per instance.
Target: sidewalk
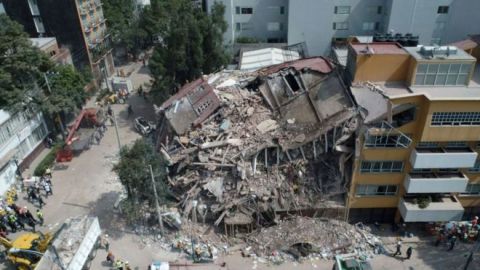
(29, 171)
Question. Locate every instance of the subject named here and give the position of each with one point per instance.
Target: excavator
(27, 249)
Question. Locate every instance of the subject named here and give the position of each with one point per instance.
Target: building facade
(78, 25)
(261, 20)
(21, 135)
(50, 47)
(318, 22)
(416, 157)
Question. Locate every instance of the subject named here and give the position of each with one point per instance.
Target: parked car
(143, 126)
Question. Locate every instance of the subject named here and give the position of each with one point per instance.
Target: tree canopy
(133, 171)
(23, 69)
(21, 66)
(190, 43)
(67, 86)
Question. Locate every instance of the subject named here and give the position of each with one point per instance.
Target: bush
(48, 160)
(424, 201)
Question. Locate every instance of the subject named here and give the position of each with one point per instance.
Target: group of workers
(35, 187)
(16, 217)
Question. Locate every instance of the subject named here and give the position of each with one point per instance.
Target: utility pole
(57, 116)
(160, 221)
(116, 131)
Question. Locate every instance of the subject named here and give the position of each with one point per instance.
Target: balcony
(440, 209)
(442, 158)
(435, 182)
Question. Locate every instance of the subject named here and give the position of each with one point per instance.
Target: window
(340, 26)
(39, 24)
(237, 10)
(377, 26)
(247, 10)
(442, 74)
(435, 41)
(456, 119)
(376, 190)
(457, 144)
(427, 145)
(273, 26)
(368, 26)
(472, 189)
(440, 25)
(448, 170)
(238, 26)
(282, 10)
(381, 166)
(475, 168)
(397, 141)
(342, 10)
(379, 9)
(245, 26)
(442, 10)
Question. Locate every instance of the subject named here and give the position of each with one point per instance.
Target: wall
(463, 20)
(27, 136)
(456, 133)
(264, 11)
(382, 67)
(311, 21)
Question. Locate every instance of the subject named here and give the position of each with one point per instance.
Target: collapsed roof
(246, 145)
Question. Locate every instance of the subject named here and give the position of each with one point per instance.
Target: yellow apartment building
(416, 156)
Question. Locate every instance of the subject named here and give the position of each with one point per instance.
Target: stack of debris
(302, 237)
(246, 148)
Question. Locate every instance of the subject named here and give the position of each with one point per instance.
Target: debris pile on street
(305, 237)
(245, 148)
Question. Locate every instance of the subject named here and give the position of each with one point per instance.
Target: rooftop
(453, 54)
(40, 42)
(253, 60)
(378, 48)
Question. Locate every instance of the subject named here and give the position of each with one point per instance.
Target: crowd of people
(35, 186)
(451, 231)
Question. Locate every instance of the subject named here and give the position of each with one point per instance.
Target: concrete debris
(250, 147)
(304, 237)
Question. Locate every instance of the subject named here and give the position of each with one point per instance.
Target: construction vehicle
(80, 133)
(71, 247)
(27, 250)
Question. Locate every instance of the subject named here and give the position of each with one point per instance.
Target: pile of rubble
(302, 237)
(244, 148)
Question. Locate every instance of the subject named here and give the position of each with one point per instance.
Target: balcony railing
(440, 209)
(424, 158)
(445, 182)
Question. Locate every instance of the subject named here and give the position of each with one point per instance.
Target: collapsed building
(246, 148)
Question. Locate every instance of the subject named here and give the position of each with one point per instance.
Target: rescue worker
(110, 258)
(40, 217)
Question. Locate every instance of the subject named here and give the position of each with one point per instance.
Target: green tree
(133, 171)
(191, 44)
(21, 67)
(67, 90)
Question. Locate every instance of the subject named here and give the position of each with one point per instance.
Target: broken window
(292, 82)
(404, 115)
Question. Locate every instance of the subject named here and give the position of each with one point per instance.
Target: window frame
(469, 192)
(246, 10)
(381, 166)
(375, 190)
(443, 9)
(440, 119)
(342, 10)
(344, 24)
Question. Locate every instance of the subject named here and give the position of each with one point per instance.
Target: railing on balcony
(443, 182)
(464, 157)
(446, 208)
